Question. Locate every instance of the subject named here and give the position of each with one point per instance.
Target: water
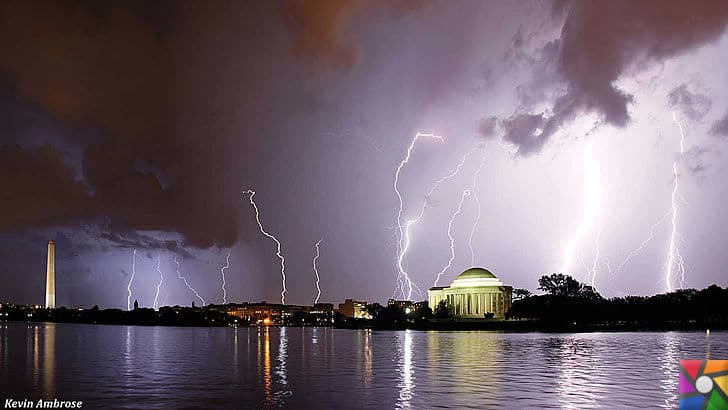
(173, 367)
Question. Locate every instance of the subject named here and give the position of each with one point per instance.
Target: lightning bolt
(161, 279)
(608, 264)
(592, 199)
(477, 204)
(466, 193)
(128, 287)
(278, 243)
(315, 270)
(595, 263)
(222, 273)
(644, 243)
(402, 275)
(675, 259)
(179, 276)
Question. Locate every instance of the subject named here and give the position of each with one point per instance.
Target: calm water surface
(172, 367)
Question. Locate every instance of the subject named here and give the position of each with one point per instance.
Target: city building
(50, 295)
(278, 314)
(402, 304)
(260, 313)
(406, 305)
(322, 313)
(355, 309)
(475, 293)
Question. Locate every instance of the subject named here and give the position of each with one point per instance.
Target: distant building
(279, 314)
(355, 309)
(257, 312)
(322, 313)
(50, 295)
(407, 306)
(474, 293)
(402, 304)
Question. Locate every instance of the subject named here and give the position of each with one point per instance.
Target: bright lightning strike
(675, 260)
(644, 243)
(595, 263)
(592, 200)
(402, 274)
(128, 287)
(278, 243)
(222, 273)
(315, 270)
(477, 204)
(161, 279)
(466, 193)
(179, 276)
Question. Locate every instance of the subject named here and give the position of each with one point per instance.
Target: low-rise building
(354, 308)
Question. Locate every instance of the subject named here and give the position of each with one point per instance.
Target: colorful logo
(704, 384)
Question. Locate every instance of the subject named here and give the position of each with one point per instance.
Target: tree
(559, 284)
(520, 293)
(423, 312)
(441, 310)
(589, 293)
(374, 309)
(389, 317)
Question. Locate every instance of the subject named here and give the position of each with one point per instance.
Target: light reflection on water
(49, 360)
(281, 372)
(162, 367)
(406, 374)
(669, 366)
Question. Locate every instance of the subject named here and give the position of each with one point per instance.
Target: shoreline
(451, 326)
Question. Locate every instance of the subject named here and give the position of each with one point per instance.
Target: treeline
(569, 301)
(390, 317)
(166, 316)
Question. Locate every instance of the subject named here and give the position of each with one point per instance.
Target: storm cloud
(720, 127)
(599, 42)
(693, 105)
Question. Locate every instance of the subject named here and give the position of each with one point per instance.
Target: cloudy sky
(139, 125)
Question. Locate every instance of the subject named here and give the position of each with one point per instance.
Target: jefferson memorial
(473, 294)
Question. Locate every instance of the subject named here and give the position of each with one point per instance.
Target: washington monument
(50, 298)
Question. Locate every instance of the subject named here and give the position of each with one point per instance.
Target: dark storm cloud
(321, 28)
(602, 40)
(135, 240)
(152, 125)
(318, 30)
(525, 131)
(106, 67)
(720, 127)
(692, 105)
(39, 189)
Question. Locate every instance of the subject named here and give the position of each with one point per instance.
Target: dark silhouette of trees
(569, 301)
(421, 313)
(442, 311)
(558, 284)
(520, 293)
(391, 317)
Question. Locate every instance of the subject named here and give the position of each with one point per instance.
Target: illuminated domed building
(475, 293)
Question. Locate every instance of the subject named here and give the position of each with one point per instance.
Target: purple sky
(128, 125)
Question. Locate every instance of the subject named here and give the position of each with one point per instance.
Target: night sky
(139, 125)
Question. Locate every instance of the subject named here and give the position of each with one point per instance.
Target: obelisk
(50, 299)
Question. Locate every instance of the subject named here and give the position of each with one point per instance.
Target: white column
(50, 296)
